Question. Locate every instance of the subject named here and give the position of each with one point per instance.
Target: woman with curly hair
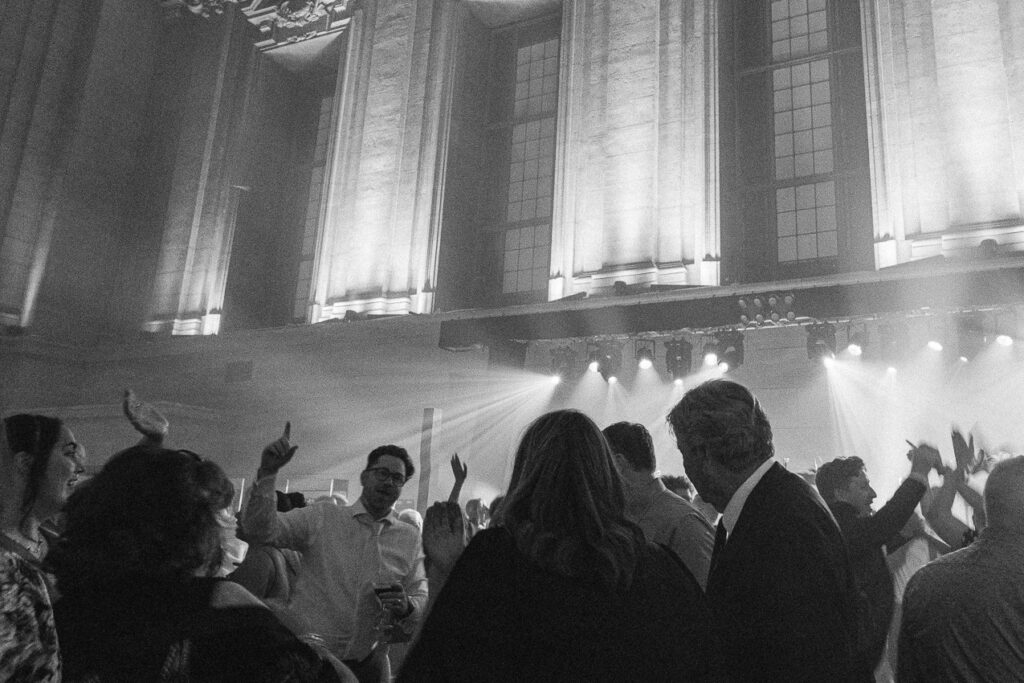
(135, 569)
(563, 586)
(39, 464)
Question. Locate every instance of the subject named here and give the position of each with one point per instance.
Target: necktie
(720, 538)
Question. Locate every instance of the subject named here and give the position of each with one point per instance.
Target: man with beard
(361, 565)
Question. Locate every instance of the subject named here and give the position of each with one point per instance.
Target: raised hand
(923, 458)
(445, 535)
(278, 453)
(963, 451)
(146, 419)
(459, 469)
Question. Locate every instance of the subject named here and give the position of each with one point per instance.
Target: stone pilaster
(636, 186)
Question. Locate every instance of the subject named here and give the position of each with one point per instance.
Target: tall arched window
(795, 194)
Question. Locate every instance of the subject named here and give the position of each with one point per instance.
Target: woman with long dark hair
(563, 586)
(40, 462)
(135, 568)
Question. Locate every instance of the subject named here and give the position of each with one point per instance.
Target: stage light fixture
(709, 352)
(821, 341)
(593, 358)
(893, 341)
(730, 349)
(563, 363)
(970, 329)
(1004, 340)
(935, 345)
(609, 359)
(644, 351)
(678, 357)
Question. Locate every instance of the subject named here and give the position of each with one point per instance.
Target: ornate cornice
(279, 21)
(292, 21)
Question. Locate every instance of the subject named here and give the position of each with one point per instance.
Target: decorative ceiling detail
(279, 22)
(292, 21)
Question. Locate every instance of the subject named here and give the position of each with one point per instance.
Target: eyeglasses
(383, 474)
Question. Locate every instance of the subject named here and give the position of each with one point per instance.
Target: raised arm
(261, 520)
(461, 471)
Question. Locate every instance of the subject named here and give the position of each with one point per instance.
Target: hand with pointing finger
(277, 454)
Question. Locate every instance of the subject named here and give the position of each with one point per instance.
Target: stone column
(189, 283)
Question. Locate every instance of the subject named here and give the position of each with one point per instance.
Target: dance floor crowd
(589, 567)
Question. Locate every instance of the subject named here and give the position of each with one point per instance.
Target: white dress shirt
(345, 553)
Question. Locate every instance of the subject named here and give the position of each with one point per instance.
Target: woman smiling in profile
(40, 462)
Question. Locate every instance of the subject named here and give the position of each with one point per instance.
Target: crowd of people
(590, 566)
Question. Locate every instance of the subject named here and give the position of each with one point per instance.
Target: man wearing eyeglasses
(362, 578)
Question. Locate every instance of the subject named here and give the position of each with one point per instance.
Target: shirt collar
(357, 509)
(739, 499)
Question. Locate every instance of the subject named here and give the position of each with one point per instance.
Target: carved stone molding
(292, 21)
(279, 21)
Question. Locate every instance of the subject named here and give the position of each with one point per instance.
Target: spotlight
(678, 381)
(935, 345)
(609, 359)
(970, 335)
(893, 341)
(829, 361)
(710, 352)
(644, 353)
(963, 359)
(856, 341)
(1004, 340)
(678, 355)
(593, 358)
(612, 379)
(891, 370)
(563, 363)
(556, 379)
(730, 349)
(821, 341)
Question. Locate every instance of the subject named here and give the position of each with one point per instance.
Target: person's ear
(364, 477)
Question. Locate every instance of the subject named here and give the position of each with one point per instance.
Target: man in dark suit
(844, 485)
(780, 587)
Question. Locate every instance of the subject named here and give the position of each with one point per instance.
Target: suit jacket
(865, 537)
(781, 590)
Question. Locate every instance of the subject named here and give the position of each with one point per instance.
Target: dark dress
(500, 617)
(148, 631)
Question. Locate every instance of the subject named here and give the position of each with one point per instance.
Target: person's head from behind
(387, 470)
(411, 516)
(632, 447)
(1004, 495)
(150, 514)
(723, 435)
(565, 503)
(679, 485)
(40, 465)
(844, 480)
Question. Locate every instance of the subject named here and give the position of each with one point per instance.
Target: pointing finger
(287, 430)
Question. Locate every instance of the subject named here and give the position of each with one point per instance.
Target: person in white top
(362, 583)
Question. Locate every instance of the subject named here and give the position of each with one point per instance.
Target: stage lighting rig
(821, 341)
(730, 349)
(609, 359)
(678, 357)
(644, 351)
(563, 363)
